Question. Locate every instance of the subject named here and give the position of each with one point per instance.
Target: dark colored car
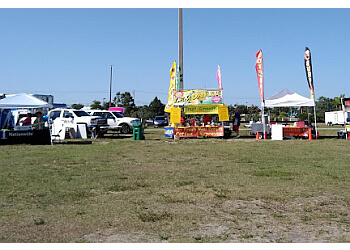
(159, 121)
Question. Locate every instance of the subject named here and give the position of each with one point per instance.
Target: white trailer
(336, 118)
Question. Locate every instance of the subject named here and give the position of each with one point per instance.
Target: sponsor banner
(308, 69)
(260, 73)
(198, 96)
(28, 133)
(295, 131)
(170, 103)
(169, 132)
(210, 131)
(201, 109)
(3, 134)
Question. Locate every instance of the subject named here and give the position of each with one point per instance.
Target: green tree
(144, 112)
(77, 106)
(242, 109)
(126, 101)
(96, 105)
(337, 102)
(156, 107)
(254, 113)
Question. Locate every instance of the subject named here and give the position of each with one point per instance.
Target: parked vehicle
(116, 120)
(149, 121)
(63, 119)
(336, 118)
(160, 121)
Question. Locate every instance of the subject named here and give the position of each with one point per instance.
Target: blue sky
(68, 52)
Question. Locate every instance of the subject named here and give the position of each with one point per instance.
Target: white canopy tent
(22, 101)
(288, 98)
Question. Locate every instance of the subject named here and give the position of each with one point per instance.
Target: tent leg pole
(263, 119)
(315, 120)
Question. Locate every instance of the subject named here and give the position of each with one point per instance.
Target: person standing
(28, 120)
(237, 122)
(39, 121)
(206, 120)
(182, 121)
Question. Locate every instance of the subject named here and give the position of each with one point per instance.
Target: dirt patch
(113, 236)
(314, 219)
(303, 220)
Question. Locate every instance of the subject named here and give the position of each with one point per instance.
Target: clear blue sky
(68, 52)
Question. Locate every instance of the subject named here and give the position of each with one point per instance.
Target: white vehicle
(116, 120)
(336, 118)
(78, 121)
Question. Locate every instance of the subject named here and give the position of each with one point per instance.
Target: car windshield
(118, 115)
(159, 118)
(80, 113)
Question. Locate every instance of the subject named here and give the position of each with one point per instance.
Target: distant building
(45, 98)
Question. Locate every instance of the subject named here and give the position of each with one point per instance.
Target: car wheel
(125, 129)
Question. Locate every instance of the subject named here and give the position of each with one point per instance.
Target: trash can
(138, 131)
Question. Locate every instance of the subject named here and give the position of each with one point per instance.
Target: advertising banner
(260, 73)
(211, 131)
(223, 113)
(198, 96)
(171, 88)
(175, 115)
(308, 69)
(218, 76)
(201, 109)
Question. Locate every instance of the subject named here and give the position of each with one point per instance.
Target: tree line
(249, 113)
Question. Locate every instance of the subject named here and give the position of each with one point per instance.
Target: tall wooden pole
(181, 84)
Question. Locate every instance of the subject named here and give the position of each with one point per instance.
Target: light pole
(181, 68)
(110, 88)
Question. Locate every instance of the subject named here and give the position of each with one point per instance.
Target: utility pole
(181, 68)
(110, 89)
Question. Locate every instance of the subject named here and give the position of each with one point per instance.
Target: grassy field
(192, 190)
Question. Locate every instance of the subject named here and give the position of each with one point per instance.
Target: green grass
(192, 190)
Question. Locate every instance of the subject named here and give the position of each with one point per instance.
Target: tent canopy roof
(288, 98)
(22, 101)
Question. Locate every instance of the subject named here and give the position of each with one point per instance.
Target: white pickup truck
(116, 120)
(80, 122)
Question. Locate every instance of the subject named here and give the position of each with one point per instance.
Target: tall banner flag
(218, 76)
(259, 73)
(170, 103)
(308, 69)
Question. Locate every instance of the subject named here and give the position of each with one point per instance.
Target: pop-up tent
(288, 98)
(22, 101)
